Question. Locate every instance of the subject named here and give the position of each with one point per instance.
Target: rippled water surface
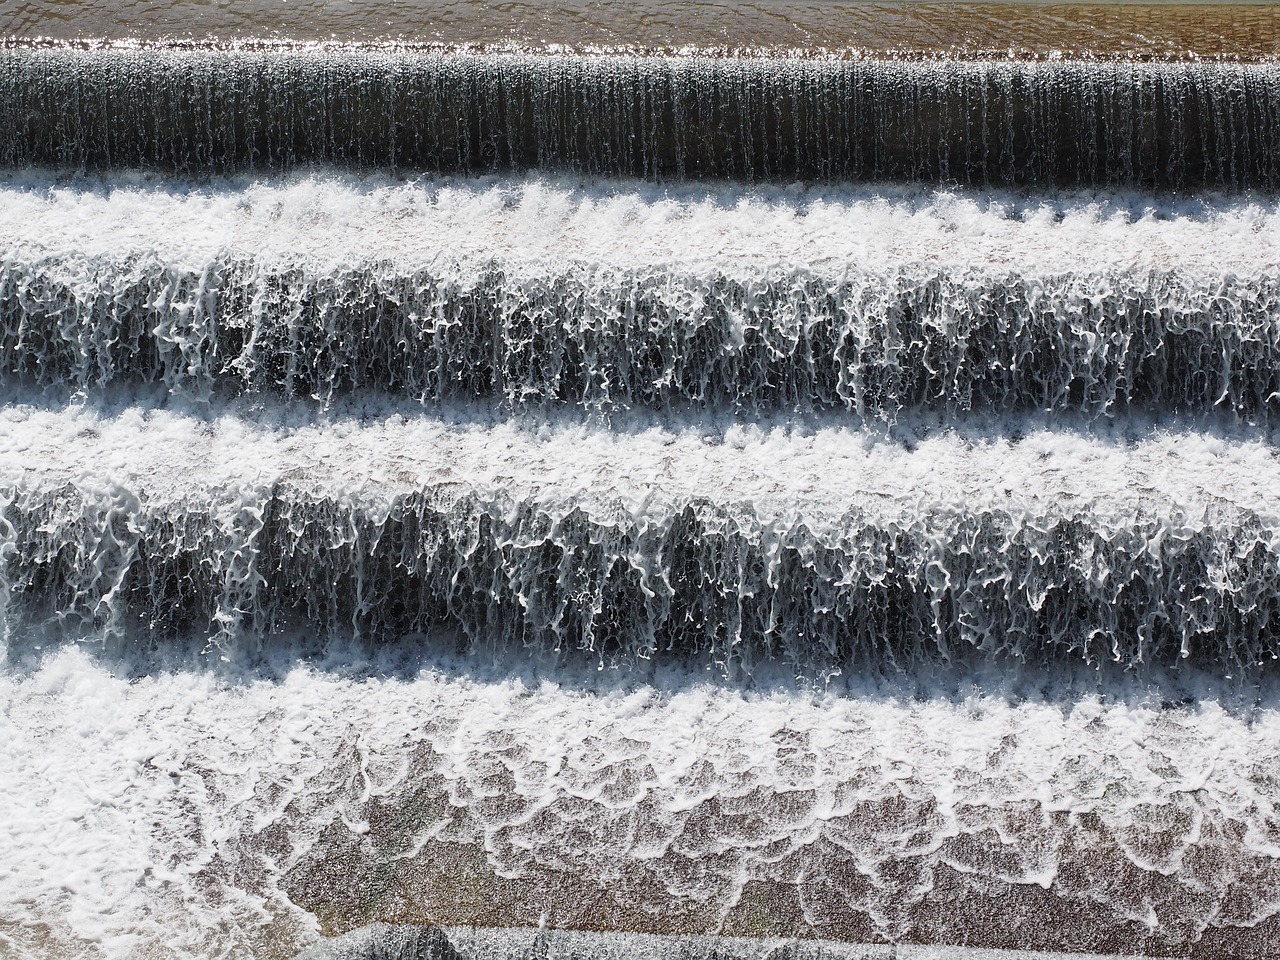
(1093, 29)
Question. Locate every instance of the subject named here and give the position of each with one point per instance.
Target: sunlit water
(561, 472)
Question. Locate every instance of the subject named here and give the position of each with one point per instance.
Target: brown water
(1246, 31)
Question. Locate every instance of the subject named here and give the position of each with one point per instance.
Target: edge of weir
(894, 55)
(449, 942)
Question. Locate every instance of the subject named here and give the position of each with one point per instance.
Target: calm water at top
(1106, 29)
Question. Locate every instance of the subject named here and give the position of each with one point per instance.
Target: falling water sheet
(1173, 126)
(609, 296)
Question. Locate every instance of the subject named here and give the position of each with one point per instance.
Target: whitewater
(615, 295)
(820, 546)
(199, 813)
(753, 503)
(287, 654)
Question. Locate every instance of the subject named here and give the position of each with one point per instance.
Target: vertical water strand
(774, 123)
(812, 85)
(384, 92)
(91, 138)
(911, 126)
(1107, 120)
(839, 105)
(673, 138)
(616, 121)
(855, 162)
(1267, 85)
(74, 137)
(1130, 95)
(880, 94)
(1224, 106)
(689, 118)
(1244, 166)
(1171, 116)
(1253, 160)
(1148, 118)
(712, 113)
(649, 114)
(950, 150)
(980, 143)
(547, 113)
(1028, 102)
(755, 155)
(613, 122)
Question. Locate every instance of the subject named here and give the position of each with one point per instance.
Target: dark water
(1168, 126)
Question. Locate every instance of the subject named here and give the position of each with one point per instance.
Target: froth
(544, 293)
(183, 809)
(826, 548)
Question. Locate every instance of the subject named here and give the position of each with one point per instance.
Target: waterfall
(1161, 125)
(637, 502)
(847, 299)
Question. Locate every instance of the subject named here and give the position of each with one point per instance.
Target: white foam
(175, 814)
(368, 454)
(329, 218)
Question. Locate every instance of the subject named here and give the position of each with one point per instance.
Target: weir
(694, 552)
(1161, 125)
(609, 298)
(584, 492)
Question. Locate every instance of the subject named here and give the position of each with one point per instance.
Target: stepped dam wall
(1163, 125)
(807, 491)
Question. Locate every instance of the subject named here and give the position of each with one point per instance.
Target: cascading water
(1167, 125)
(617, 297)
(475, 486)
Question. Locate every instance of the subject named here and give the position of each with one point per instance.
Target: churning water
(559, 478)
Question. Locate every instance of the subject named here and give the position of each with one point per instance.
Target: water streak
(825, 551)
(1171, 126)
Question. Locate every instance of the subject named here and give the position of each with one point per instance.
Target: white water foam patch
(340, 220)
(367, 453)
(827, 547)
(539, 292)
(186, 815)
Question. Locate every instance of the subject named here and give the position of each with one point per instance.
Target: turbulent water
(818, 548)
(539, 293)
(777, 496)
(186, 814)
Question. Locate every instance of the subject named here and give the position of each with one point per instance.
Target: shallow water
(198, 813)
(1093, 29)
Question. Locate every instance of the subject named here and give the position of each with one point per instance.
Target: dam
(698, 480)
